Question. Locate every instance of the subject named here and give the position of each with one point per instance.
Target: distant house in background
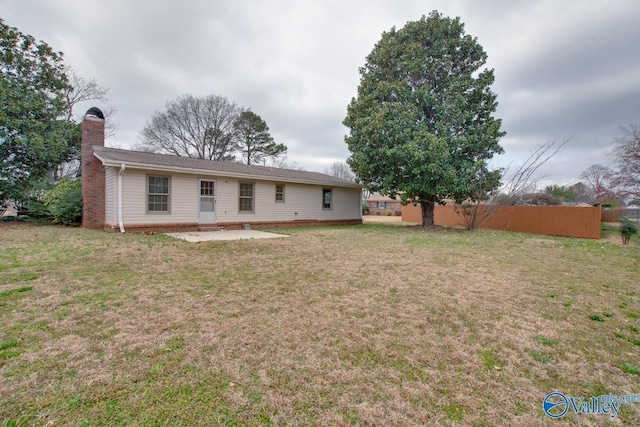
(138, 191)
(379, 205)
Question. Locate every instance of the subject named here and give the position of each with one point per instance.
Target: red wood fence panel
(411, 213)
(611, 215)
(554, 220)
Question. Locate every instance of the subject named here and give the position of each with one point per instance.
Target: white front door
(207, 213)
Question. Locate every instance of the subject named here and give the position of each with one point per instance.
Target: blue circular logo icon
(555, 405)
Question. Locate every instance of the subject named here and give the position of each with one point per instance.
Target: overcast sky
(562, 68)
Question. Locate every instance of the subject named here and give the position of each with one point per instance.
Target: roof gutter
(120, 173)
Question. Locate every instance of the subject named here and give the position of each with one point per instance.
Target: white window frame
(280, 193)
(324, 200)
(167, 195)
(252, 197)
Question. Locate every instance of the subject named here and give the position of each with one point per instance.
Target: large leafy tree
(567, 194)
(422, 124)
(254, 143)
(34, 135)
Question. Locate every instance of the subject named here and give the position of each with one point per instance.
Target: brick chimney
(92, 171)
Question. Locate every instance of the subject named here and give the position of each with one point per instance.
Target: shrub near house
(64, 202)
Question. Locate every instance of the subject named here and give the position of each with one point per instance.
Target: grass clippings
(367, 325)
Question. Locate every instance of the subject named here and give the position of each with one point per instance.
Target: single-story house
(138, 191)
(379, 205)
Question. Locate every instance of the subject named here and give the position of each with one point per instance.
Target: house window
(158, 194)
(381, 205)
(280, 193)
(246, 197)
(326, 198)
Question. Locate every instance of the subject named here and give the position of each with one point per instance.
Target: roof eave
(196, 171)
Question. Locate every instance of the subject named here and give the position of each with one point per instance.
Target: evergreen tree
(254, 142)
(422, 124)
(35, 137)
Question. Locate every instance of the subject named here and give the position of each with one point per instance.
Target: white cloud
(562, 68)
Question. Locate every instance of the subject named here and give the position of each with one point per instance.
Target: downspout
(120, 173)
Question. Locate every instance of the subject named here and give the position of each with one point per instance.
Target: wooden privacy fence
(411, 213)
(616, 214)
(611, 215)
(554, 220)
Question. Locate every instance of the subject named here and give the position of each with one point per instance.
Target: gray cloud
(562, 68)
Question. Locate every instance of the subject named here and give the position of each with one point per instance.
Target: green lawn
(367, 325)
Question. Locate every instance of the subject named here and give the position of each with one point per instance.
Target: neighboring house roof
(165, 162)
(383, 199)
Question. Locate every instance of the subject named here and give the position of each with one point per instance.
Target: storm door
(207, 213)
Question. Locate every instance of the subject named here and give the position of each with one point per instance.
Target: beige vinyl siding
(227, 200)
(347, 203)
(183, 199)
(111, 196)
(302, 201)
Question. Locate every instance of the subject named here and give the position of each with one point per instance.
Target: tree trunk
(427, 213)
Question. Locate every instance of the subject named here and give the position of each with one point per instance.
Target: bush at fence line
(628, 228)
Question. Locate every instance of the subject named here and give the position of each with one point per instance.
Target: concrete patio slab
(206, 236)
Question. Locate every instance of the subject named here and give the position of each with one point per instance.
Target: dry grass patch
(331, 326)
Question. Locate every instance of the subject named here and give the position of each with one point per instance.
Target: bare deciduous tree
(82, 90)
(526, 175)
(626, 152)
(110, 126)
(340, 170)
(600, 180)
(200, 127)
(483, 206)
(584, 193)
(282, 162)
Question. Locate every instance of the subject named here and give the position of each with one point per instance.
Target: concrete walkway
(205, 236)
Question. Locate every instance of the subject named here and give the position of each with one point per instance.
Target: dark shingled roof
(164, 162)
